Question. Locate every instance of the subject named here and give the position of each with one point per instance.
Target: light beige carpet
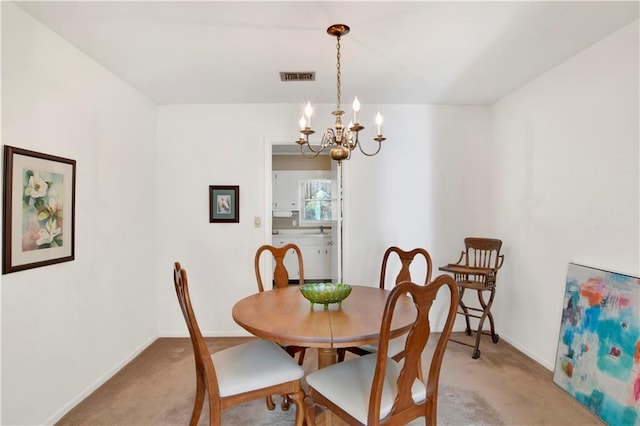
(503, 387)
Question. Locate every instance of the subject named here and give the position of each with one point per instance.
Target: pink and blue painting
(598, 358)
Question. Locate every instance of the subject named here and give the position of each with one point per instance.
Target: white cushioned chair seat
(253, 365)
(395, 346)
(349, 384)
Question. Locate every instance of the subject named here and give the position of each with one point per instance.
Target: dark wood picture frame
(39, 209)
(224, 204)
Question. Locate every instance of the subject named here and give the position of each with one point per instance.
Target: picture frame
(598, 356)
(224, 204)
(39, 209)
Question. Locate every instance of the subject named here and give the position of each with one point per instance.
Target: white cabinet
(316, 256)
(317, 262)
(285, 190)
(285, 186)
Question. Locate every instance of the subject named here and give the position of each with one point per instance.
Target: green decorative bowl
(325, 293)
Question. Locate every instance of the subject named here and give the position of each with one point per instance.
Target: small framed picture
(224, 204)
(39, 209)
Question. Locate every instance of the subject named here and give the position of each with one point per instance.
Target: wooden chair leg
(309, 412)
(215, 413)
(270, 404)
(285, 403)
(298, 400)
(431, 419)
(199, 402)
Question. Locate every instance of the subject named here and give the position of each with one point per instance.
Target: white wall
(198, 146)
(565, 186)
(424, 190)
(410, 195)
(67, 327)
(421, 190)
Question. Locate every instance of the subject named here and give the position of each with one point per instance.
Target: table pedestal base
(327, 357)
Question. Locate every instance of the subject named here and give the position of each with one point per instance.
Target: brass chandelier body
(340, 140)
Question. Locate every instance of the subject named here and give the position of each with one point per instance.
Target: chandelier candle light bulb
(379, 123)
(356, 108)
(339, 140)
(308, 111)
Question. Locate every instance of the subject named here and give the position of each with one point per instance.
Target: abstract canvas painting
(598, 358)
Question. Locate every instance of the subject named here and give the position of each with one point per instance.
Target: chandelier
(339, 140)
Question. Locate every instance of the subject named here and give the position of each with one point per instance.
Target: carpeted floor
(503, 387)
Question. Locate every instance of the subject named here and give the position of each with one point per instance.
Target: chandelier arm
(369, 154)
(325, 142)
(328, 138)
(311, 149)
(312, 154)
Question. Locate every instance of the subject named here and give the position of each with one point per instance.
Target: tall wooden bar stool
(476, 270)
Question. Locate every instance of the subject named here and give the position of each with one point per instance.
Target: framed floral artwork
(39, 209)
(224, 204)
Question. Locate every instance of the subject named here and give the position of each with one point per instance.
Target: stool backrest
(483, 252)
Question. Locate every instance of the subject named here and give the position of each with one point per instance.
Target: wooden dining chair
(375, 389)
(242, 373)
(482, 258)
(406, 258)
(281, 279)
(280, 273)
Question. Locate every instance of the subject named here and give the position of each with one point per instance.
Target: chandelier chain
(338, 83)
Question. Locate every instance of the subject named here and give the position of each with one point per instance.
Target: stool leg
(486, 310)
(494, 337)
(465, 311)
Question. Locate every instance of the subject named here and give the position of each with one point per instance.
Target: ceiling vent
(298, 76)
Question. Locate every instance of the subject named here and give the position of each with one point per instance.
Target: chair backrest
(280, 273)
(483, 252)
(204, 364)
(404, 408)
(406, 258)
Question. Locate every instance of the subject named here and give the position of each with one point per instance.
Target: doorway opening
(303, 200)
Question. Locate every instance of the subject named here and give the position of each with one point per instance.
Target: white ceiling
(418, 52)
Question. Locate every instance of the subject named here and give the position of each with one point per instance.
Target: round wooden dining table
(283, 315)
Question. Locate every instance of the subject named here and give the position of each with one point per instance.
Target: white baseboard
(516, 344)
(101, 380)
(534, 356)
